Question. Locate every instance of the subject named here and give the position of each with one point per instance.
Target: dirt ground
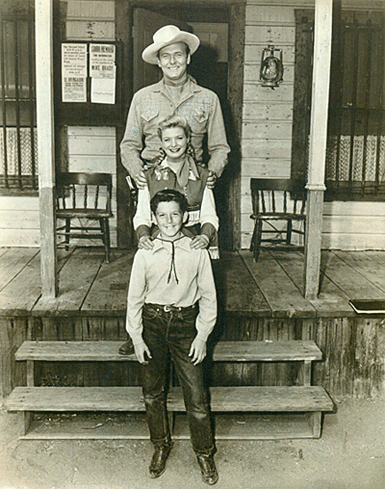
(349, 455)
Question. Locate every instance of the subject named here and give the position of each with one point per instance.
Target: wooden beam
(318, 134)
(46, 147)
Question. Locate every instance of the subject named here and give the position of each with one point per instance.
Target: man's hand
(140, 180)
(197, 351)
(145, 243)
(211, 179)
(142, 353)
(199, 242)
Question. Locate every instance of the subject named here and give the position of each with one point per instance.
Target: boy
(172, 309)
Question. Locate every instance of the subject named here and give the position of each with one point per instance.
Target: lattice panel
(364, 153)
(27, 161)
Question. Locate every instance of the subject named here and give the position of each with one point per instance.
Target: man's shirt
(192, 282)
(150, 105)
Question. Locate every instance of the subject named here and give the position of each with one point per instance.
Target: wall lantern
(271, 73)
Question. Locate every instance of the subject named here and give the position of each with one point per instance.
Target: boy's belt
(171, 308)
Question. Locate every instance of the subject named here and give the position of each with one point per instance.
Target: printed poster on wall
(102, 73)
(74, 72)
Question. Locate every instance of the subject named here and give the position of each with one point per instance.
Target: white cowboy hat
(168, 35)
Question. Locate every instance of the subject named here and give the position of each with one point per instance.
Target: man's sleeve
(207, 316)
(135, 298)
(131, 144)
(216, 139)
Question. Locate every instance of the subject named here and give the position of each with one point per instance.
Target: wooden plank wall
(93, 148)
(267, 124)
(354, 225)
(266, 131)
(13, 331)
(267, 113)
(19, 221)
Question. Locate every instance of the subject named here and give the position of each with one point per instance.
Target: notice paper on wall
(74, 72)
(102, 73)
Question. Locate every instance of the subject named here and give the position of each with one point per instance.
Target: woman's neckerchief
(183, 173)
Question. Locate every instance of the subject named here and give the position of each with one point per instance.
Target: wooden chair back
(84, 192)
(83, 197)
(278, 197)
(276, 200)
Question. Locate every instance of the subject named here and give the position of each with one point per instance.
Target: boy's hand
(197, 351)
(143, 353)
(199, 242)
(145, 243)
(211, 179)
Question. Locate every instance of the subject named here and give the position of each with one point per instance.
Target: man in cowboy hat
(177, 93)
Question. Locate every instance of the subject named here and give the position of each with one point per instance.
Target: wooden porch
(257, 301)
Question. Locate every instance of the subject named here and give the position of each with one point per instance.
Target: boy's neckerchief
(172, 266)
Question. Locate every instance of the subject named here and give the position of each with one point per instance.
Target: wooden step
(133, 426)
(223, 399)
(224, 351)
(308, 400)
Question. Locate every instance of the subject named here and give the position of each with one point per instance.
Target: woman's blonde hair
(174, 121)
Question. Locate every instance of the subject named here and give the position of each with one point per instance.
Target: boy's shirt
(191, 280)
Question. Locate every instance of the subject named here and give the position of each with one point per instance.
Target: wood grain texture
(282, 294)
(108, 293)
(75, 282)
(225, 351)
(223, 399)
(22, 293)
(331, 301)
(353, 280)
(12, 261)
(236, 288)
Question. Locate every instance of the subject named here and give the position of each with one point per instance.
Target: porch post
(46, 148)
(318, 133)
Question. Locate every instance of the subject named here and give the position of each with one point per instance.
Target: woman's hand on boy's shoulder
(197, 351)
(145, 243)
(199, 242)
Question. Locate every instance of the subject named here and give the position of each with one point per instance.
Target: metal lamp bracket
(271, 72)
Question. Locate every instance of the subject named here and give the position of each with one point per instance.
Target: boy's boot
(159, 459)
(208, 469)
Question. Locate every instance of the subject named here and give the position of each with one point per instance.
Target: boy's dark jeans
(169, 329)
